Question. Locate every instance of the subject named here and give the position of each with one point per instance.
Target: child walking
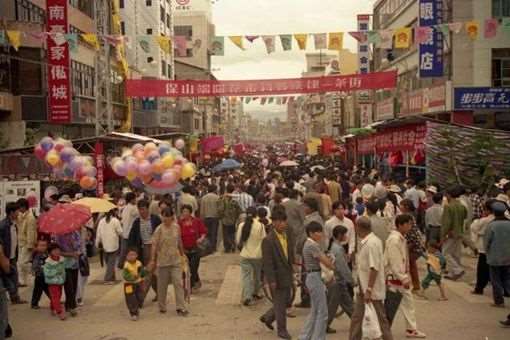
(38, 258)
(436, 264)
(55, 275)
(133, 274)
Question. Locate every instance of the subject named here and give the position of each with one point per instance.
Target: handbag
(204, 247)
(83, 265)
(391, 304)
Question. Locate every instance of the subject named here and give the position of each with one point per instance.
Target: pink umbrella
(64, 218)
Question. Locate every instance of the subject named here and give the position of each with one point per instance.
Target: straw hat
(395, 189)
(432, 189)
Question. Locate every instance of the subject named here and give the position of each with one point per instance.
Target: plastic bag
(370, 326)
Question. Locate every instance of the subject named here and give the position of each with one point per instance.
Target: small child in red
(55, 276)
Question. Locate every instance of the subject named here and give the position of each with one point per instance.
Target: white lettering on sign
(56, 12)
(57, 52)
(427, 11)
(427, 61)
(59, 92)
(58, 72)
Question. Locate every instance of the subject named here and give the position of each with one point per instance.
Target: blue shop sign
(469, 98)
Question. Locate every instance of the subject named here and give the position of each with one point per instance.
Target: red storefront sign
(384, 109)
(207, 88)
(405, 138)
(59, 86)
(100, 166)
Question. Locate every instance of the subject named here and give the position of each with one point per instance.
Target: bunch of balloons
(66, 162)
(156, 166)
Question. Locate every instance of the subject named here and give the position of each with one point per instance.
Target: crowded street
(245, 170)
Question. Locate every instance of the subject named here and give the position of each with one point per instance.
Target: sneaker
(247, 302)
(505, 324)
(182, 312)
(330, 330)
(80, 303)
(35, 307)
(134, 317)
(73, 312)
(162, 311)
(498, 305)
(416, 334)
(267, 324)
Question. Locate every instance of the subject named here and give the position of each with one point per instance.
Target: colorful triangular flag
(386, 42)
(91, 39)
(247, 100)
(359, 36)
(269, 42)
(218, 46)
(301, 40)
(403, 37)
(320, 41)
(284, 100)
(263, 101)
(336, 41)
(455, 27)
(58, 38)
(491, 28)
(165, 44)
(251, 38)
(373, 37)
(423, 34)
(286, 40)
(473, 29)
(505, 25)
(444, 28)
(279, 101)
(72, 41)
(237, 40)
(270, 100)
(14, 38)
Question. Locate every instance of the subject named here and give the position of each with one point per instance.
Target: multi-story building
(467, 62)
(143, 21)
(24, 78)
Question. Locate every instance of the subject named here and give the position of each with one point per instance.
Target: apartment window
(27, 11)
(168, 21)
(84, 6)
(501, 67)
(121, 3)
(148, 3)
(500, 8)
(149, 31)
(169, 70)
(197, 123)
(83, 79)
(122, 28)
(150, 60)
(163, 68)
(185, 31)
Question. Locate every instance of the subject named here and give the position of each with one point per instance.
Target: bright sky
(273, 17)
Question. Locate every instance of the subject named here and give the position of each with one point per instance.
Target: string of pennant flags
(399, 38)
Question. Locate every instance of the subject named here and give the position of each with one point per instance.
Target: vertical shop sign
(431, 50)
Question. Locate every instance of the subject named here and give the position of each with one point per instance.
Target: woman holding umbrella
(108, 232)
(193, 232)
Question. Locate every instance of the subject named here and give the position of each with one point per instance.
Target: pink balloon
(39, 152)
(131, 165)
(59, 147)
(180, 144)
(169, 177)
(144, 168)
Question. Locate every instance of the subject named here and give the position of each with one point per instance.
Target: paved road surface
(217, 314)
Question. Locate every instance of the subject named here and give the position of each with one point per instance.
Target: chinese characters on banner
(467, 98)
(406, 138)
(365, 114)
(431, 49)
(363, 45)
(59, 89)
(242, 88)
(100, 165)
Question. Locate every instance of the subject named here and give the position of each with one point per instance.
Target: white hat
(502, 183)
(380, 191)
(432, 189)
(395, 189)
(367, 191)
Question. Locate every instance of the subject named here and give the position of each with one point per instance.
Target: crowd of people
(335, 236)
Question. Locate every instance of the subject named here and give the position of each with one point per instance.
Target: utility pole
(103, 88)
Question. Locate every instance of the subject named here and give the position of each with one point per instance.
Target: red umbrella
(64, 218)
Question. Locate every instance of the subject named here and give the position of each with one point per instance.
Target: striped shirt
(245, 200)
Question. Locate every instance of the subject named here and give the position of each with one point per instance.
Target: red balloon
(39, 152)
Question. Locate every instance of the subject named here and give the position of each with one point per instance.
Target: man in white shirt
(340, 219)
(396, 261)
(129, 214)
(372, 287)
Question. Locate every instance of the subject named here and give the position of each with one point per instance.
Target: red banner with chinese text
(59, 86)
(405, 138)
(208, 88)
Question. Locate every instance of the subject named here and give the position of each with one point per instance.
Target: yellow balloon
(188, 170)
(131, 176)
(168, 161)
(52, 158)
